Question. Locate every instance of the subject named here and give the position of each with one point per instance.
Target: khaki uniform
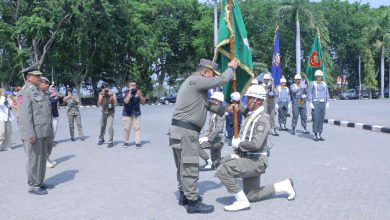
(108, 112)
(191, 112)
(34, 121)
(216, 139)
(74, 114)
(270, 103)
(252, 163)
(299, 95)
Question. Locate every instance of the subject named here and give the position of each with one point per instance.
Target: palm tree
(296, 7)
(381, 33)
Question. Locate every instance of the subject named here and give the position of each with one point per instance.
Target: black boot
(274, 132)
(199, 207)
(184, 201)
(293, 131)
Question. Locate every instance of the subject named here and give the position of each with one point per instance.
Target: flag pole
(234, 86)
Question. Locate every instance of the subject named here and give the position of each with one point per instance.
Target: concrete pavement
(345, 177)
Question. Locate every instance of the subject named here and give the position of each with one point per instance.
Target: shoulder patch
(260, 127)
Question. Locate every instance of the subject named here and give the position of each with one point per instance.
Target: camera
(133, 92)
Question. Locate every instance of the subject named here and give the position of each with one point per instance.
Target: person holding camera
(6, 117)
(132, 114)
(73, 114)
(107, 99)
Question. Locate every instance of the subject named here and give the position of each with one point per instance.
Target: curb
(375, 128)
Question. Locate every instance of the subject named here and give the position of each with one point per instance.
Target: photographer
(107, 99)
(73, 114)
(132, 114)
(6, 117)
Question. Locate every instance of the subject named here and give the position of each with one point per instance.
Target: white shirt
(5, 112)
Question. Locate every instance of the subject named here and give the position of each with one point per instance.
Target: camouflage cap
(33, 70)
(209, 64)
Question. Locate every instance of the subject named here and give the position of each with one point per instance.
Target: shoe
(199, 207)
(286, 186)
(82, 138)
(184, 201)
(110, 145)
(293, 131)
(46, 186)
(305, 131)
(38, 191)
(72, 139)
(125, 145)
(49, 164)
(52, 162)
(241, 203)
(320, 137)
(137, 146)
(315, 137)
(274, 132)
(280, 128)
(101, 141)
(284, 127)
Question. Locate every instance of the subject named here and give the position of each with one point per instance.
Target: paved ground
(345, 177)
(369, 111)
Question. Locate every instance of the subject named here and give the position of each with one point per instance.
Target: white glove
(235, 142)
(203, 139)
(289, 105)
(234, 156)
(271, 94)
(303, 96)
(311, 106)
(277, 106)
(327, 105)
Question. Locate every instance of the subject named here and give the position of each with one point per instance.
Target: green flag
(242, 51)
(316, 60)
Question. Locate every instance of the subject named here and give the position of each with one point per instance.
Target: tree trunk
(382, 71)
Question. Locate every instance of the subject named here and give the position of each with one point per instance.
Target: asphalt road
(345, 177)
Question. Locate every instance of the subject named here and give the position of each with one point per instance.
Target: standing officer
(319, 101)
(73, 114)
(283, 103)
(253, 158)
(299, 95)
(44, 87)
(188, 120)
(215, 137)
(270, 106)
(107, 99)
(35, 129)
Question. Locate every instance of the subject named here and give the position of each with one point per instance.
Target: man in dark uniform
(35, 129)
(188, 120)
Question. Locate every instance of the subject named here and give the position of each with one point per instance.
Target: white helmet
(267, 76)
(318, 73)
(298, 76)
(235, 96)
(283, 80)
(254, 82)
(256, 91)
(218, 96)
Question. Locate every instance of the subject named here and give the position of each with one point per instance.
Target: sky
(373, 3)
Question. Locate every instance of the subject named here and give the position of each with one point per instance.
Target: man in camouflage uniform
(188, 120)
(251, 159)
(35, 130)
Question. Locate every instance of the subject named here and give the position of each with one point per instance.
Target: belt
(319, 100)
(185, 125)
(255, 155)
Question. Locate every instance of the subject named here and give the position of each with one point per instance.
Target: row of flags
(242, 51)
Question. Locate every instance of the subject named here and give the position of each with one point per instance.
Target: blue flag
(276, 68)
